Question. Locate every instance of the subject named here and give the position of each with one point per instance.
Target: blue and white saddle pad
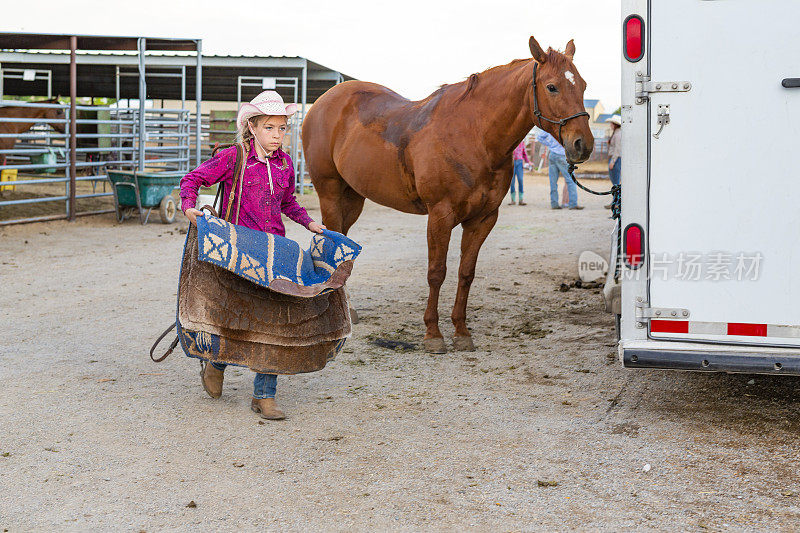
(272, 261)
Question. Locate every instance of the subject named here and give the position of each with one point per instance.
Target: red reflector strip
(722, 329)
(669, 326)
(750, 330)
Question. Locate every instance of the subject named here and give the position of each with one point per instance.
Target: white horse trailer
(709, 266)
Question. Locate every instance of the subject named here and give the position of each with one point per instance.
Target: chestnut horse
(33, 113)
(447, 156)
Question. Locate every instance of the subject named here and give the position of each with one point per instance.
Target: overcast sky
(411, 46)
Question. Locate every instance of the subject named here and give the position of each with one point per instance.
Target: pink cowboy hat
(266, 103)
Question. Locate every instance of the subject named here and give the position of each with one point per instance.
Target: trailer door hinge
(644, 312)
(644, 87)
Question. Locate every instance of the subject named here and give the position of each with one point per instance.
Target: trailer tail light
(633, 38)
(634, 246)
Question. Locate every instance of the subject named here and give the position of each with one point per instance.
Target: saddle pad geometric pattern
(262, 258)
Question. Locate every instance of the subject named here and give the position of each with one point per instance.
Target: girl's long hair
(243, 134)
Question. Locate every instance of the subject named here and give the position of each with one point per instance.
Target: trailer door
(724, 174)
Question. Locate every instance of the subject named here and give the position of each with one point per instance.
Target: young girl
(267, 191)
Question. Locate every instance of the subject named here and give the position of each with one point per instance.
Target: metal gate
(38, 169)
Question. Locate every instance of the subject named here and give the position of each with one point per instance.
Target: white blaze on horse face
(570, 77)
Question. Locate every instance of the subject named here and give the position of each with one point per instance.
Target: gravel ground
(540, 429)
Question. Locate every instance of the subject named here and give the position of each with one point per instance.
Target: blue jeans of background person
(264, 385)
(616, 172)
(557, 163)
(517, 177)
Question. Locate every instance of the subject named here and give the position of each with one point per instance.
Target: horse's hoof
(435, 345)
(463, 344)
(353, 316)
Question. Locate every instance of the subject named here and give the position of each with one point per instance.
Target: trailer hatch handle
(791, 83)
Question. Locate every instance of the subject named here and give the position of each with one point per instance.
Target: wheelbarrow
(136, 190)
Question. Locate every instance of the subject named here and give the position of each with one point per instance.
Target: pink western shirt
(261, 205)
(520, 153)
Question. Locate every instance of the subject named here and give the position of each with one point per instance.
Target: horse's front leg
(440, 225)
(475, 232)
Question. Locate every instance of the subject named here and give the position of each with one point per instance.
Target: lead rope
(616, 209)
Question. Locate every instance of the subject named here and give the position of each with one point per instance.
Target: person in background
(557, 164)
(520, 159)
(614, 155)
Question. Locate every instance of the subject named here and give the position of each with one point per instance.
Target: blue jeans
(517, 176)
(615, 172)
(264, 385)
(558, 164)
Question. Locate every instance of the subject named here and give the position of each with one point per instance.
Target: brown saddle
(224, 318)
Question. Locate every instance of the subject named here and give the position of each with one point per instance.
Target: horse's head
(558, 94)
(55, 113)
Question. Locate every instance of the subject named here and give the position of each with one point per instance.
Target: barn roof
(55, 41)
(97, 68)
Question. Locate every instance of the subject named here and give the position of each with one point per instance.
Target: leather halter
(540, 117)
(615, 190)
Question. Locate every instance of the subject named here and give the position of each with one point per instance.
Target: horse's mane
(554, 57)
(472, 82)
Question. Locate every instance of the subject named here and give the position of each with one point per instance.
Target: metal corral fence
(36, 169)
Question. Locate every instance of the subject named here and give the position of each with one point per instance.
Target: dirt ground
(540, 429)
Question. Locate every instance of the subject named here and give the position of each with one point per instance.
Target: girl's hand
(192, 215)
(316, 228)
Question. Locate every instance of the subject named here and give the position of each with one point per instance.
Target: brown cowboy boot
(212, 380)
(267, 408)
